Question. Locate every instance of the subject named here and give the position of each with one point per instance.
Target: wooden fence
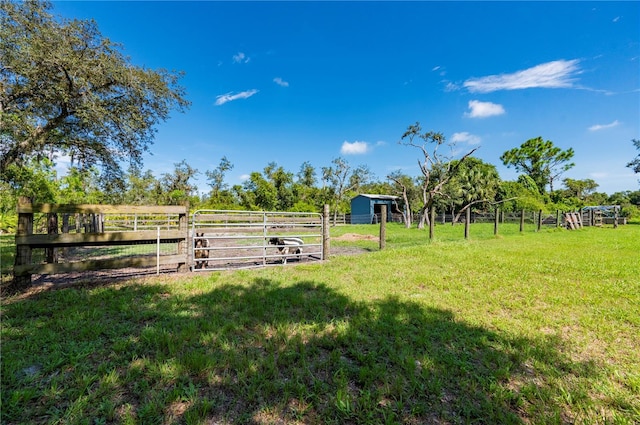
(171, 226)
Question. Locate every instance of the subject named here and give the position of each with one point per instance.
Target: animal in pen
(287, 246)
(200, 251)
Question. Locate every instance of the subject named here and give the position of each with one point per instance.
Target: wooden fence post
(51, 254)
(23, 252)
(521, 221)
(497, 220)
(539, 220)
(326, 245)
(383, 225)
(65, 229)
(432, 222)
(467, 222)
(183, 245)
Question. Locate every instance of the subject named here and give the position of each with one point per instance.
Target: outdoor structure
(53, 239)
(365, 208)
(65, 232)
(604, 214)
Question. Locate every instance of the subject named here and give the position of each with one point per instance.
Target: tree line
(449, 185)
(67, 90)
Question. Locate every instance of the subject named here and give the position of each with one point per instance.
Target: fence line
(102, 226)
(90, 231)
(225, 239)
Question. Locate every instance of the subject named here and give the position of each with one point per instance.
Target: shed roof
(377, 196)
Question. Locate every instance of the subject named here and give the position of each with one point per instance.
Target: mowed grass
(536, 328)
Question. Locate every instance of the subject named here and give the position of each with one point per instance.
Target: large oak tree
(65, 88)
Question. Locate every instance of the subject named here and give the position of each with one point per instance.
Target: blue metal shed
(365, 207)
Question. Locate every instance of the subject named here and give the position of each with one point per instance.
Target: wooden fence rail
(95, 236)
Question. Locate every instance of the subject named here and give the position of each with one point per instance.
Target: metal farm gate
(228, 239)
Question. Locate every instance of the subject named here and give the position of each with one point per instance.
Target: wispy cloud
(465, 137)
(555, 74)
(279, 81)
(355, 148)
(441, 71)
(598, 127)
(228, 97)
(599, 174)
(449, 86)
(479, 109)
(241, 58)
(616, 19)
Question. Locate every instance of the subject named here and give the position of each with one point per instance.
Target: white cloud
(241, 58)
(244, 177)
(435, 68)
(483, 109)
(616, 19)
(555, 74)
(224, 98)
(598, 127)
(465, 137)
(355, 148)
(279, 81)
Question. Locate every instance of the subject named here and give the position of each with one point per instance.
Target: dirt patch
(352, 237)
(167, 273)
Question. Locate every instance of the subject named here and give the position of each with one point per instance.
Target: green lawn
(522, 328)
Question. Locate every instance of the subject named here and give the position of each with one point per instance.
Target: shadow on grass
(266, 353)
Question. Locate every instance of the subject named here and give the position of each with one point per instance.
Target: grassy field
(537, 328)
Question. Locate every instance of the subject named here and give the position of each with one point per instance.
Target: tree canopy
(436, 168)
(65, 88)
(541, 160)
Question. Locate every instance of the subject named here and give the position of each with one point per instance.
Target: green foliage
(216, 179)
(177, 188)
(80, 186)
(67, 89)
(581, 189)
(516, 196)
(437, 170)
(631, 212)
(341, 179)
(260, 193)
(540, 160)
(304, 206)
(475, 183)
(36, 179)
(635, 164)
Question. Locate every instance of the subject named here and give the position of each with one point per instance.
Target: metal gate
(228, 239)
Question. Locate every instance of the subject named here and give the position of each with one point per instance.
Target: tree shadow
(272, 353)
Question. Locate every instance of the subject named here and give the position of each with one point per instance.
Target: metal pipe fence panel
(228, 239)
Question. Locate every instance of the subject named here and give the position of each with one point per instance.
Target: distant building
(366, 208)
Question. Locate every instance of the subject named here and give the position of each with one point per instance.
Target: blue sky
(289, 82)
